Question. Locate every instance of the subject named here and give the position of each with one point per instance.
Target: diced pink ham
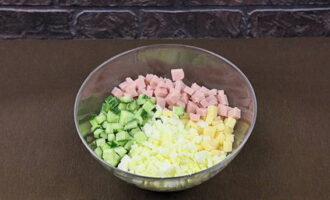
(234, 113)
(154, 82)
(168, 101)
(179, 85)
(123, 85)
(117, 92)
(140, 82)
(212, 100)
(161, 84)
(194, 117)
(172, 89)
(191, 107)
(212, 92)
(184, 98)
(177, 74)
(204, 103)
(161, 102)
(181, 103)
(160, 92)
(126, 94)
(202, 111)
(221, 92)
(195, 99)
(170, 93)
(204, 90)
(141, 91)
(149, 92)
(172, 97)
(195, 87)
(169, 83)
(213, 103)
(189, 90)
(129, 80)
(222, 98)
(223, 110)
(149, 77)
(197, 96)
(131, 90)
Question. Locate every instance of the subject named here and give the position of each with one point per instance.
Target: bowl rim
(230, 156)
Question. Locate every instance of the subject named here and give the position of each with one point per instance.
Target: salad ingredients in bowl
(157, 127)
(165, 129)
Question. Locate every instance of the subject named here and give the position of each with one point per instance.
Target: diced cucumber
(100, 142)
(178, 110)
(121, 142)
(98, 151)
(128, 145)
(105, 146)
(97, 132)
(142, 99)
(125, 117)
(158, 113)
(144, 122)
(153, 100)
(104, 135)
(130, 125)
(148, 106)
(115, 110)
(105, 124)
(122, 135)
(96, 127)
(134, 130)
(113, 144)
(111, 137)
(109, 130)
(112, 101)
(137, 115)
(122, 106)
(111, 157)
(121, 151)
(116, 127)
(149, 115)
(93, 121)
(139, 119)
(105, 107)
(140, 137)
(100, 118)
(126, 99)
(132, 106)
(140, 115)
(144, 114)
(112, 117)
(139, 111)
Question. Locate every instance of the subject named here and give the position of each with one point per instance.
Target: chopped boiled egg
(174, 147)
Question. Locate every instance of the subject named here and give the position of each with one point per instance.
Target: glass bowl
(201, 66)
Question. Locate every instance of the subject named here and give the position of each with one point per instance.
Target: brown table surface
(286, 157)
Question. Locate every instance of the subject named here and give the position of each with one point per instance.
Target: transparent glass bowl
(200, 66)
